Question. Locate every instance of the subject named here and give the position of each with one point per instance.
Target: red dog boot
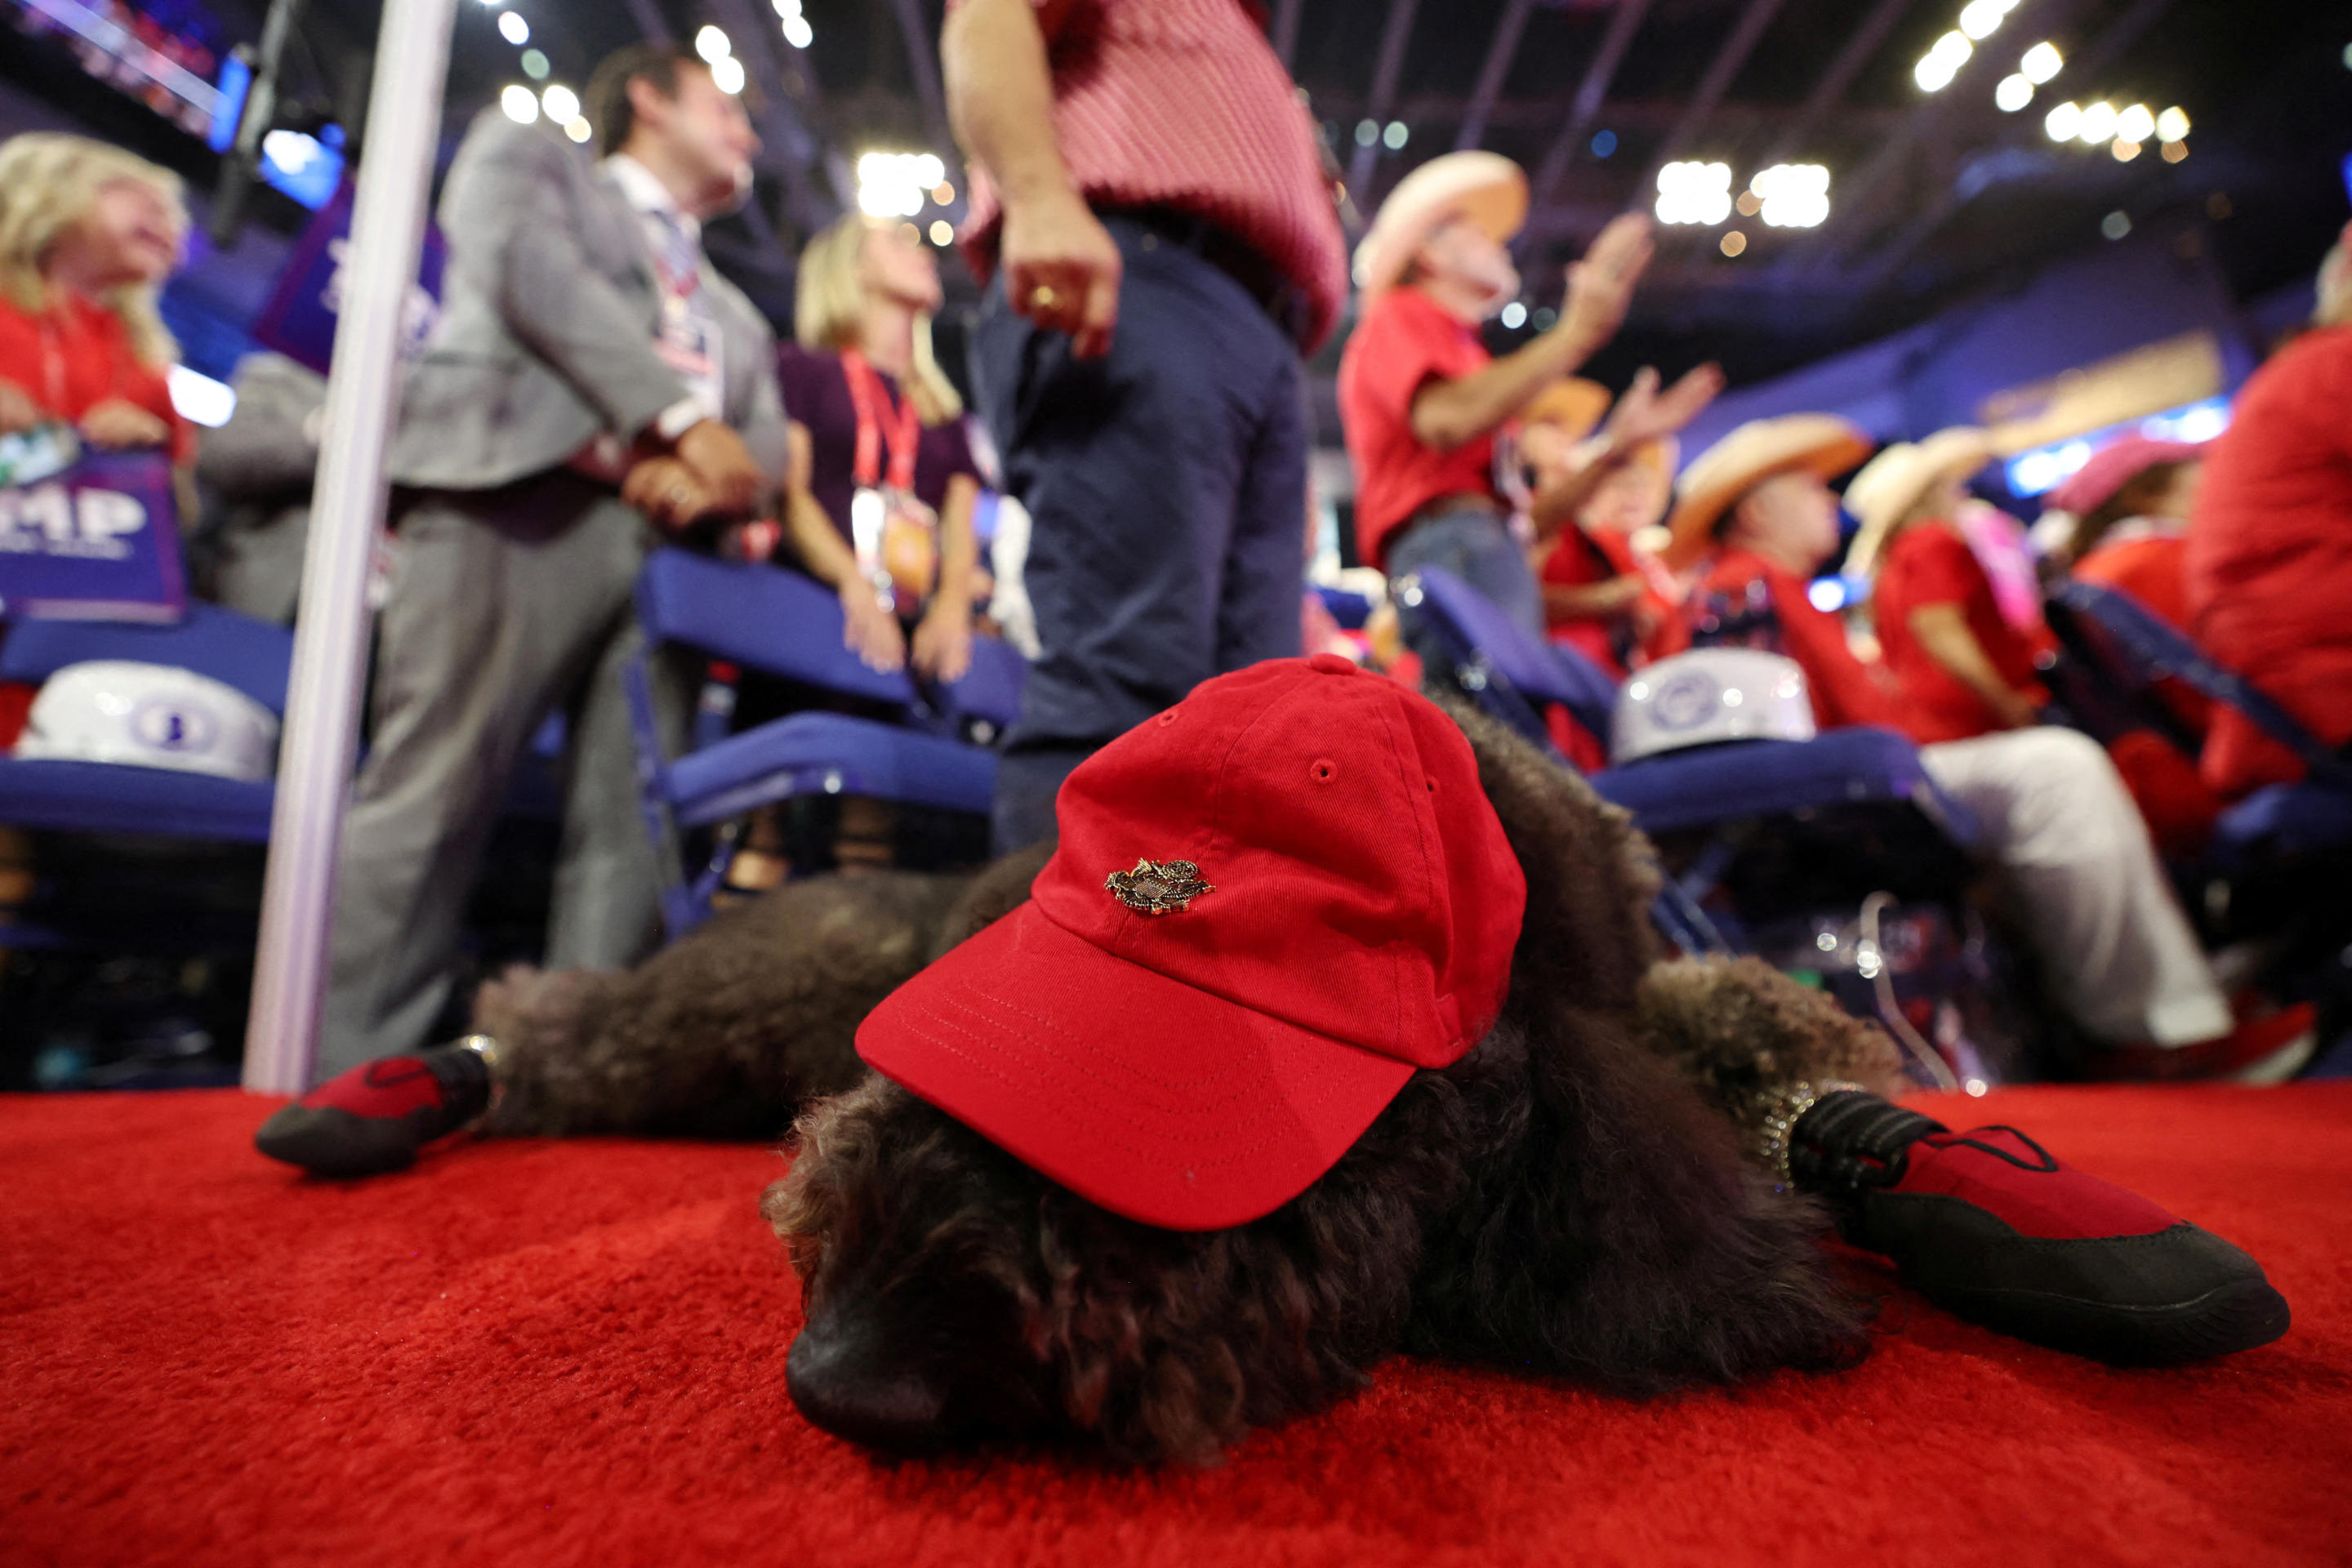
(375, 1117)
(1989, 1226)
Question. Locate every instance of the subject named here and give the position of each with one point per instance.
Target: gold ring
(1042, 297)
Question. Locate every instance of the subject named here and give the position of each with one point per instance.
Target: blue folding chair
(780, 624)
(2276, 823)
(60, 797)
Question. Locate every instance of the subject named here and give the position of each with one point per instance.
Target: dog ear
(1587, 933)
(998, 890)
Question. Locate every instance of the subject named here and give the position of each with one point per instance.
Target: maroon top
(817, 394)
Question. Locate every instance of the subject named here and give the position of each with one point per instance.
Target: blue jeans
(1166, 484)
(1476, 547)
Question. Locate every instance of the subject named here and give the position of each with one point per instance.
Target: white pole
(330, 636)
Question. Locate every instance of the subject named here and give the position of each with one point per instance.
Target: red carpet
(552, 1354)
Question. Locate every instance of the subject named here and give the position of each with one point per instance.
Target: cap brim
(1694, 518)
(1146, 1096)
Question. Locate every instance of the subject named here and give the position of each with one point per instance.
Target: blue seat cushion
(252, 656)
(1773, 778)
(827, 753)
(112, 797)
(2285, 820)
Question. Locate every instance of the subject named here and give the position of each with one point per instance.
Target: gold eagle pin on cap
(1158, 887)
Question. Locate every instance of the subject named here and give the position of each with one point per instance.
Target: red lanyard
(866, 389)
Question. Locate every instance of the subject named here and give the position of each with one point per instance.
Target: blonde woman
(879, 441)
(87, 235)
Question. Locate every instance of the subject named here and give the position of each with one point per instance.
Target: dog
(1573, 1198)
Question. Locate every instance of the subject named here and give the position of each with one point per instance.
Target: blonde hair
(48, 181)
(829, 312)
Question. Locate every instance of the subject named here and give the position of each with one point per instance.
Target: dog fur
(1571, 1199)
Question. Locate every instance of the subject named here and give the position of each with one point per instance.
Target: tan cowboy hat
(1819, 444)
(1890, 483)
(1486, 188)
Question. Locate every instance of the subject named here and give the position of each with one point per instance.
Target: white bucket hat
(1709, 694)
(151, 716)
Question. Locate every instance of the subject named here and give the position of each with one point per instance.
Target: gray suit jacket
(548, 311)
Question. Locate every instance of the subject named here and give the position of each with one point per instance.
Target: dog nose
(842, 1384)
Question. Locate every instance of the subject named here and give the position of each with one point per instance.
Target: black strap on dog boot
(1990, 1226)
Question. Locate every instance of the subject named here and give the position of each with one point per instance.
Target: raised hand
(1644, 413)
(1601, 287)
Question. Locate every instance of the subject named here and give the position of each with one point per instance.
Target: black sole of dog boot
(331, 1142)
(2175, 1295)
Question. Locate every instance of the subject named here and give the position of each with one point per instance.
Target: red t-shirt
(1845, 689)
(2180, 808)
(1929, 564)
(2268, 559)
(1404, 341)
(1576, 560)
(75, 355)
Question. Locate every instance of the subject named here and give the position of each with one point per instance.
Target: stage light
(942, 194)
(2136, 124)
(1979, 18)
(534, 65)
(889, 184)
(521, 103)
(927, 169)
(1514, 316)
(798, 33)
(1393, 138)
(579, 130)
(1734, 243)
(1795, 196)
(1603, 144)
(787, 9)
(2013, 93)
(2125, 152)
(2172, 125)
(1367, 132)
(2175, 151)
(513, 28)
(2040, 63)
(2098, 124)
(1694, 192)
(1749, 204)
(561, 103)
(1941, 63)
(2116, 224)
(2062, 122)
(727, 71)
(712, 44)
(943, 232)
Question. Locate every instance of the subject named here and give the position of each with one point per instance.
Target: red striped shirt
(1182, 104)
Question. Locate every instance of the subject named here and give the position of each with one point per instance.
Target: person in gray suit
(259, 466)
(592, 379)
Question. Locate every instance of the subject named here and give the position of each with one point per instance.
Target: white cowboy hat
(1892, 481)
(1820, 444)
(1486, 188)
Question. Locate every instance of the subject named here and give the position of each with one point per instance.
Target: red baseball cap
(1270, 905)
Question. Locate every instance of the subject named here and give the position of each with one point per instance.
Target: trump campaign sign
(99, 541)
(299, 322)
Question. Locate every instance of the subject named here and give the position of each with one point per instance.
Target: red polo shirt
(2269, 563)
(1845, 689)
(1930, 563)
(1405, 341)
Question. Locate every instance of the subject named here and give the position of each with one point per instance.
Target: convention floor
(542, 1353)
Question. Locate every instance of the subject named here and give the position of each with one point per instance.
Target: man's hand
(1061, 269)
(1601, 287)
(943, 638)
(724, 468)
(1645, 414)
(670, 493)
(868, 630)
(18, 409)
(2017, 710)
(115, 425)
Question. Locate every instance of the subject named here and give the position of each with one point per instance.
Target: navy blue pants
(1167, 488)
